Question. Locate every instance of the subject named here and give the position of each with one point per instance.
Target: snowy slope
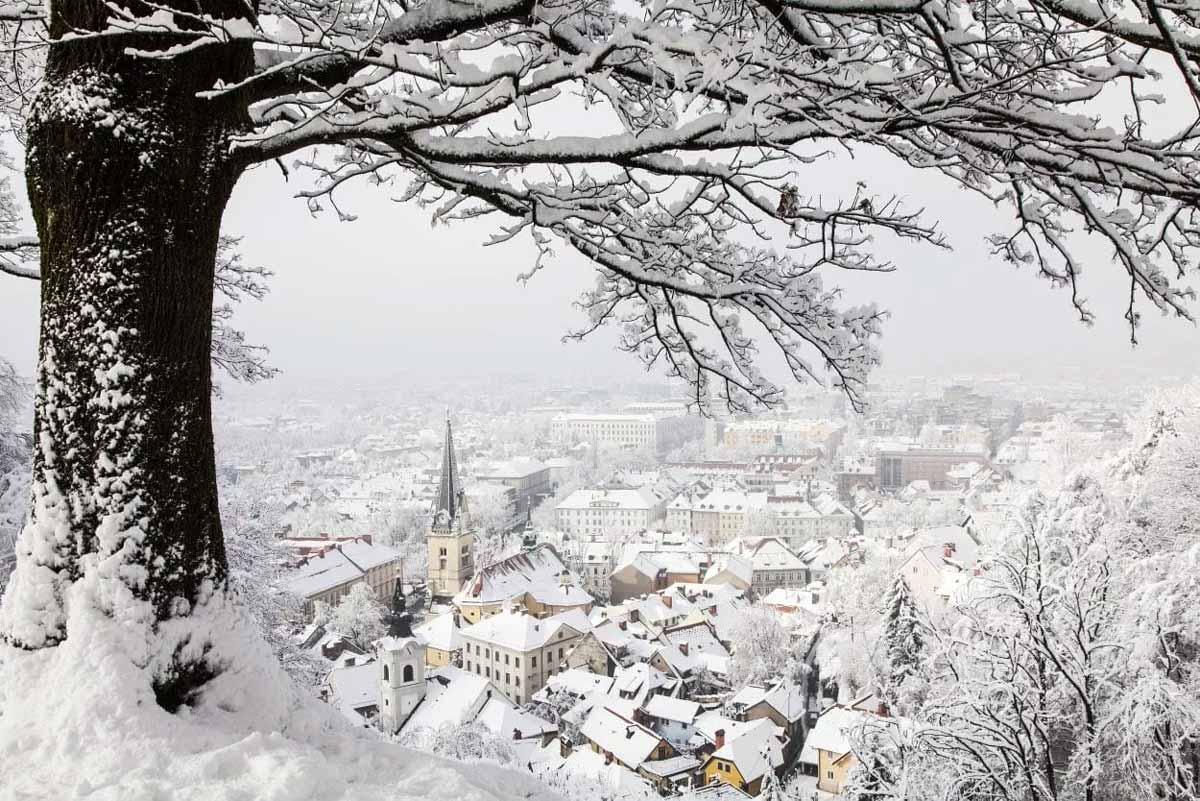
(81, 720)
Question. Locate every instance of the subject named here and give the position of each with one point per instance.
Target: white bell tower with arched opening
(401, 680)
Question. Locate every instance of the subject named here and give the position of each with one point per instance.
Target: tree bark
(129, 173)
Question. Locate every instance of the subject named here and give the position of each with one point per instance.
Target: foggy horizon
(346, 300)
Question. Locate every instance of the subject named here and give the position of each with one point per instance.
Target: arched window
(408, 674)
(385, 673)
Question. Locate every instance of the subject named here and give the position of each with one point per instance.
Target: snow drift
(80, 719)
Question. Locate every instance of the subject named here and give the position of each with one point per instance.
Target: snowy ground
(80, 721)
(805, 789)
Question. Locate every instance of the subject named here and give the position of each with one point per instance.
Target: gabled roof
(730, 564)
(630, 743)
(539, 572)
(639, 681)
(353, 688)
(755, 749)
(452, 697)
(832, 732)
(519, 631)
(504, 720)
(578, 682)
(784, 697)
(440, 632)
(336, 565)
(676, 709)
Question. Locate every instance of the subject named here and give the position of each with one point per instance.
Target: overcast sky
(389, 296)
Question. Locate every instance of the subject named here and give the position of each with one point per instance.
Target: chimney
(622, 625)
(977, 571)
(712, 610)
(816, 597)
(948, 550)
(720, 739)
(516, 734)
(683, 648)
(666, 599)
(881, 710)
(633, 615)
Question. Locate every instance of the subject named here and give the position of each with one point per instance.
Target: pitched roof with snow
(440, 633)
(353, 688)
(676, 709)
(832, 732)
(784, 697)
(504, 720)
(539, 572)
(519, 631)
(755, 749)
(630, 743)
(452, 697)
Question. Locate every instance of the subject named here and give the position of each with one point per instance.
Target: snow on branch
(669, 143)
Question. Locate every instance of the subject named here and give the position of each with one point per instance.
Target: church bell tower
(450, 536)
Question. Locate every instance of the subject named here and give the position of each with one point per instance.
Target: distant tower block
(451, 535)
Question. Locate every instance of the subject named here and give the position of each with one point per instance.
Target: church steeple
(448, 503)
(450, 536)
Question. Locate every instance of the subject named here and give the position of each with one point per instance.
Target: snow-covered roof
(393, 644)
(440, 633)
(756, 749)
(641, 499)
(452, 697)
(579, 682)
(768, 553)
(639, 681)
(784, 697)
(353, 688)
(504, 720)
(630, 743)
(539, 572)
(673, 766)
(737, 567)
(519, 467)
(831, 732)
(519, 631)
(676, 709)
(321, 573)
(338, 565)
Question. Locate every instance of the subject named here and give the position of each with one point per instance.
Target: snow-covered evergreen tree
(902, 640)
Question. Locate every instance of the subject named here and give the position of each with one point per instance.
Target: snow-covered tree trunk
(128, 173)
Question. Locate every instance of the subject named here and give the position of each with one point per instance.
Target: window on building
(829, 774)
(506, 659)
(385, 672)
(441, 551)
(516, 661)
(408, 673)
(517, 680)
(487, 672)
(533, 661)
(507, 679)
